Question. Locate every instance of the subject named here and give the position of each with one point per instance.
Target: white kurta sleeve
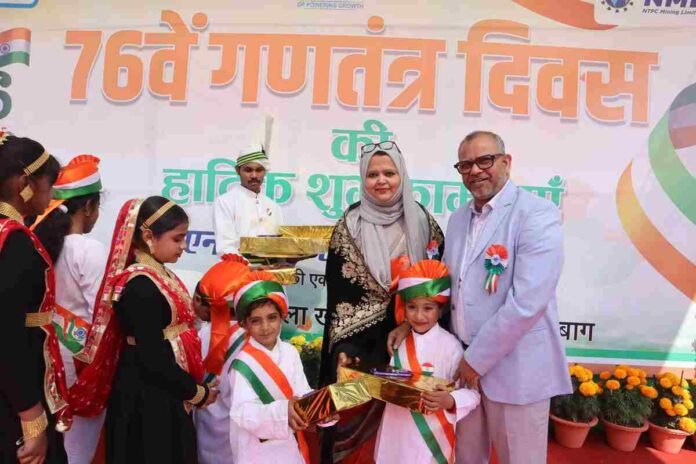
(264, 421)
(226, 236)
(465, 400)
(300, 385)
(91, 271)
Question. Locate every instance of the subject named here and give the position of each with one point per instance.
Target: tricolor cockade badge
(496, 261)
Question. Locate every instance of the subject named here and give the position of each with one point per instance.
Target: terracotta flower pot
(623, 438)
(667, 440)
(571, 434)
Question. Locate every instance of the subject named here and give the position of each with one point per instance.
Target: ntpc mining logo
(669, 7)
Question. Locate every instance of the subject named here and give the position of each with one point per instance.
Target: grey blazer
(514, 339)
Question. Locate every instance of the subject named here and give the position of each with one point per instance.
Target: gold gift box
(323, 403)
(283, 247)
(322, 232)
(405, 392)
(286, 275)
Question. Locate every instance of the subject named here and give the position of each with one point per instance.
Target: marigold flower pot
(667, 440)
(623, 438)
(571, 434)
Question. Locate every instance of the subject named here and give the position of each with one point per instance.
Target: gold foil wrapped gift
(323, 232)
(405, 392)
(285, 275)
(282, 247)
(326, 402)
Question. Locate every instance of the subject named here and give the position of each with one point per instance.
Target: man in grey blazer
(514, 350)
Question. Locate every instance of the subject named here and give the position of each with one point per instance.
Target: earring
(27, 193)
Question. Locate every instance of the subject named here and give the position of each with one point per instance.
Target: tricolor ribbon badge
(432, 251)
(495, 263)
(428, 369)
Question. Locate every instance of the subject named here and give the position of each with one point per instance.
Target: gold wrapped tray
(323, 403)
(405, 392)
(323, 232)
(286, 275)
(282, 247)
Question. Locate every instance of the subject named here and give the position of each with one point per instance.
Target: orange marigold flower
(679, 391)
(620, 373)
(670, 412)
(632, 371)
(587, 389)
(665, 382)
(648, 392)
(633, 380)
(605, 375)
(630, 387)
(665, 403)
(613, 384)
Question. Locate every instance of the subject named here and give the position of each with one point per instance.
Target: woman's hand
(343, 361)
(397, 336)
(438, 399)
(295, 421)
(33, 451)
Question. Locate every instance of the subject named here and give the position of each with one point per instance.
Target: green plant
(626, 398)
(582, 404)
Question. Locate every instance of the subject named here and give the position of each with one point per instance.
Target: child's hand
(295, 421)
(437, 400)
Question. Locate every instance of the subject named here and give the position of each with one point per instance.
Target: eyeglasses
(370, 147)
(483, 162)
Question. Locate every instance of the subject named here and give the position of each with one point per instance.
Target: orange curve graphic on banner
(654, 247)
(576, 13)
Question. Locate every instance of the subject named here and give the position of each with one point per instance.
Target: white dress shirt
(243, 213)
(478, 222)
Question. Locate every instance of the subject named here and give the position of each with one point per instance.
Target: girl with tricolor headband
(33, 394)
(266, 378)
(431, 351)
(221, 338)
(79, 266)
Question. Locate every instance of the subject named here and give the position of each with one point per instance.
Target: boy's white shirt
(398, 439)
(252, 421)
(213, 422)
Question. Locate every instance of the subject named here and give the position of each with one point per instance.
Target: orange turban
(217, 288)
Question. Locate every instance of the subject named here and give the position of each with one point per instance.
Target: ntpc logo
(671, 3)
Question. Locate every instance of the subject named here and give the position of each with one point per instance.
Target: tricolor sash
(71, 329)
(236, 339)
(268, 382)
(435, 429)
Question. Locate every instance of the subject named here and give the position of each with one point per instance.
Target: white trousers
(518, 432)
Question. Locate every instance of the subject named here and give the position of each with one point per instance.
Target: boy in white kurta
(244, 210)
(221, 339)
(406, 436)
(265, 377)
